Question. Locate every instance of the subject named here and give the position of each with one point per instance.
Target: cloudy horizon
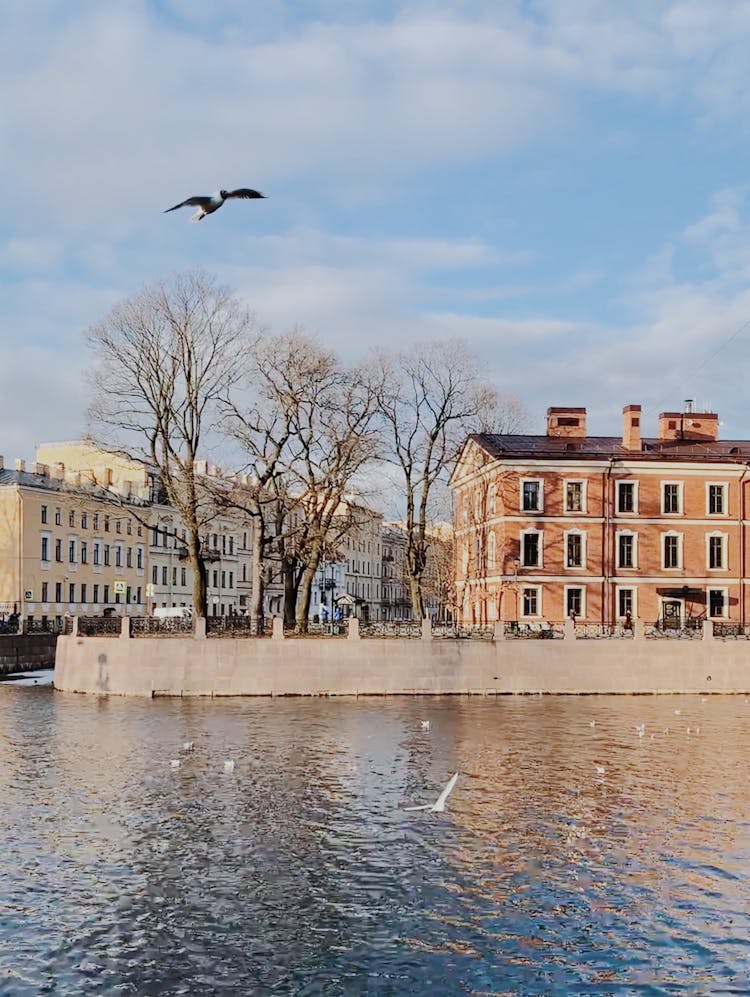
(562, 184)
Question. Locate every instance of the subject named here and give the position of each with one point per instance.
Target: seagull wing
(439, 803)
(244, 192)
(192, 202)
(426, 806)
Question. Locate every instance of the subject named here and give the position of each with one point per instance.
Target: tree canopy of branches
(431, 396)
(161, 361)
(307, 433)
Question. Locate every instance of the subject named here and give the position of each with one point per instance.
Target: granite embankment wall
(25, 652)
(153, 666)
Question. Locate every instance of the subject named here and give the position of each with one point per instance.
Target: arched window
(491, 551)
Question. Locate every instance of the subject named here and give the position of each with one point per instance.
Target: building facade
(605, 529)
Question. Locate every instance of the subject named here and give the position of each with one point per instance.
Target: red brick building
(609, 529)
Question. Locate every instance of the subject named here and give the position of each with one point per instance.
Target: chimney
(631, 427)
(41, 469)
(689, 425)
(20, 464)
(567, 422)
(59, 471)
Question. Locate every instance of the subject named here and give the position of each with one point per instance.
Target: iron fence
(44, 626)
(545, 630)
(598, 631)
(390, 628)
(152, 626)
(96, 626)
(731, 631)
(237, 626)
(463, 631)
(657, 631)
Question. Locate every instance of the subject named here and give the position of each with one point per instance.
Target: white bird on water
(600, 769)
(174, 763)
(424, 724)
(229, 765)
(592, 723)
(439, 805)
(641, 728)
(187, 746)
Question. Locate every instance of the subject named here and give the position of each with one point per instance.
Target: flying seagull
(439, 805)
(208, 204)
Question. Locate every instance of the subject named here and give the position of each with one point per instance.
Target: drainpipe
(741, 505)
(606, 541)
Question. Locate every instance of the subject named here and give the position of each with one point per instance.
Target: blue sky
(562, 182)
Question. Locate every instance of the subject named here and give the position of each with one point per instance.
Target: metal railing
(96, 626)
(690, 631)
(44, 626)
(463, 631)
(546, 630)
(9, 626)
(338, 629)
(598, 631)
(237, 626)
(390, 628)
(731, 631)
(151, 626)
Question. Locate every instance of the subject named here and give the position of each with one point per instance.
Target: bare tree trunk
(290, 595)
(303, 597)
(417, 602)
(256, 569)
(200, 595)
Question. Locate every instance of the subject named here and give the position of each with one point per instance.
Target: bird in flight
(439, 805)
(206, 205)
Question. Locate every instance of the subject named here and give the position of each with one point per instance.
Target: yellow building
(67, 547)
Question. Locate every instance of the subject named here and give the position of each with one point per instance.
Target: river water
(300, 871)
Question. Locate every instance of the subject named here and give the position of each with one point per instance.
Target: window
(84, 521)
(84, 592)
(139, 558)
(671, 498)
(231, 581)
(164, 578)
(625, 550)
(106, 595)
(71, 553)
(716, 602)
(106, 524)
(118, 526)
(174, 576)
(96, 552)
(96, 594)
(626, 496)
(231, 545)
(574, 492)
(574, 602)
(58, 516)
(491, 550)
(118, 556)
(530, 550)
(45, 591)
(154, 574)
(716, 552)
(84, 552)
(96, 520)
(106, 555)
(244, 572)
(44, 513)
(625, 602)
(530, 601)
(58, 549)
(58, 591)
(671, 558)
(155, 536)
(129, 527)
(72, 518)
(573, 550)
(129, 557)
(531, 496)
(138, 595)
(216, 579)
(45, 548)
(183, 577)
(72, 592)
(717, 500)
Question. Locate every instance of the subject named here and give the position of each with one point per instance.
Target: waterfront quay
(139, 658)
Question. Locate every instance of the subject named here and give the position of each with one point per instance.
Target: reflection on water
(300, 872)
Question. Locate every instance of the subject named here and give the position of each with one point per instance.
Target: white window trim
(626, 481)
(725, 607)
(724, 550)
(538, 614)
(582, 535)
(628, 588)
(724, 485)
(634, 535)
(680, 538)
(584, 496)
(540, 534)
(522, 482)
(46, 565)
(567, 588)
(680, 498)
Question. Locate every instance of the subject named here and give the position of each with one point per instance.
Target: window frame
(532, 530)
(724, 538)
(725, 602)
(618, 560)
(537, 590)
(619, 482)
(633, 589)
(567, 589)
(680, 560)
(680, 485)
(566, 536)
(724, 486)
(540, 483)
(584, 496)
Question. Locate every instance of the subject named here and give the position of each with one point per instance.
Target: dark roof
(27, 479)
(602, 447)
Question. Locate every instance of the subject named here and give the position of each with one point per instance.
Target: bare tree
(432, 395)
(162, 360)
